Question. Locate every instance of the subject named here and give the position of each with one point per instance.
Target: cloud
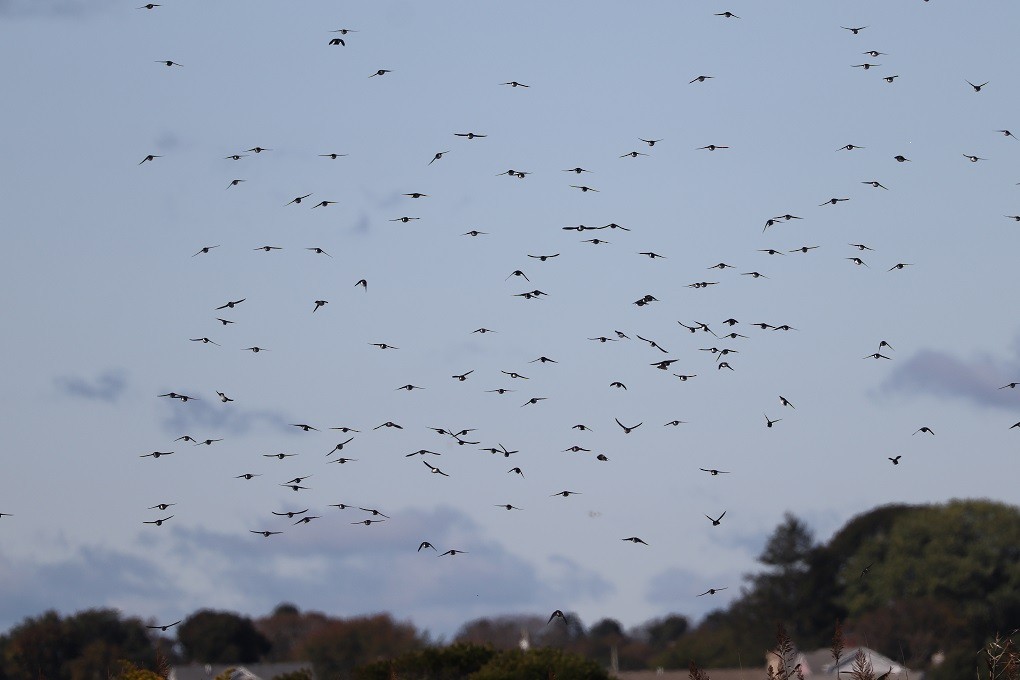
(941, 374)
(327, 565)
(108, 386)
(227, 418)
(56, 8)
(89, 577)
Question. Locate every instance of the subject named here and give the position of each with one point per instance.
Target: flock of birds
(720, 336)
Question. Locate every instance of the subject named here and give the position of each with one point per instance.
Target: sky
(107, 294)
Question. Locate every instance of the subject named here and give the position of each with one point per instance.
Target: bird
(865, 570)
(1011, 385)
(306, 520)
(268, 248)
(150, 5)
(158, 522)
(565, 494)
(786, 402)
(438, 155)
(875, 184)
(337, 41)
(279, 456)
(700, 79)
(650, 142)
(556, 615)
(434, 470)
(534, 400)
(877, 355)
(374, 512)
(854, 30)
(290, 514)
(633, 154)
(901, 159)
(857, 261)
(368, 522)
(716, 521)
(899, 265)
(149, 158)
(675, 423)
(264, 533)
(543, 258)
(332, 156)
(634, 539)
(517, 471)
(727, 14)
(834, 201)
(514, 83)
(507, 506)
(426, 544)
(323, 204)
(156, 454)
(161, 506)
(770, 423)
(388, 423)
(305, 427)
(463, 376)
(714, 472)
(381, 72)
(319, 303)
(207, 442)
(583, 188)
(232, 304)
(167, 62)
(297, 199)
(163, 628)
(889, 79)
(205, 249)
(712, 591)
(896, 460)
(977, 88)
(626, 429)
(247, 475)
(711, 147)
(206, 341)
(468, 135)
(925, 429)
(618, 384)
(340, 446)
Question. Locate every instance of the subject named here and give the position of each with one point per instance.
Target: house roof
(253, 671)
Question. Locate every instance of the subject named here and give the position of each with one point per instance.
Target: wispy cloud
(208, 415)
(55, 8)
(977, 379)
(107, 386)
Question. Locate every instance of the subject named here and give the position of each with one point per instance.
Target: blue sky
(103, 294)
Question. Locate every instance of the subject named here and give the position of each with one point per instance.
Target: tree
(209, 636)
(540, 664)
(343, 644)
(86, 645)
(286, 628)
(431, 663)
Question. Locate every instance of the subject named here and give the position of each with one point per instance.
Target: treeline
(917, 583)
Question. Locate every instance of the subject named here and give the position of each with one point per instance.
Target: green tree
(431, 663)
(209, 636)
(540, 664)
(964, 553)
